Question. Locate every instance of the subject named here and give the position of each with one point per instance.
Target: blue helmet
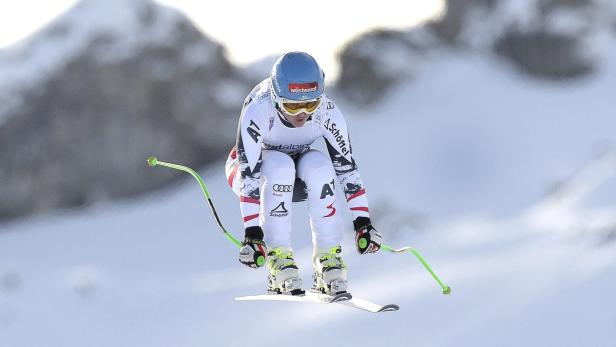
(296, 76)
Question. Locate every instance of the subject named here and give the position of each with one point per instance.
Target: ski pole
(152, 161)
(446, 288)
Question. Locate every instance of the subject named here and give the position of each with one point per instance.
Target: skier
(272, 165)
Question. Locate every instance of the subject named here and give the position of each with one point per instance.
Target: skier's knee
(315, 164)
(277, 166)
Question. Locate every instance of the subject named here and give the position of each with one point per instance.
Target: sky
(260, 29)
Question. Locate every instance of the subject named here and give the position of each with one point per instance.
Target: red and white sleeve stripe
(250, 210)
(358, 204)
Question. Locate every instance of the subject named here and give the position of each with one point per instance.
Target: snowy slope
(478, 148)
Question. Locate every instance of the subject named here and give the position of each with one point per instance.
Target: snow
(568, 21)
(483, 25)
(524, 13)
(156, 271)
(229, 92)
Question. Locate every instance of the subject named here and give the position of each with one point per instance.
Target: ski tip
(447, 290)
(152, 161)
(342, 297)
(390, 307)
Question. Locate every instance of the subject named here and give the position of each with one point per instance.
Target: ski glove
(367, 239)
(253, 251)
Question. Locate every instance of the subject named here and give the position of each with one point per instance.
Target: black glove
(253, 251)
(367, 239)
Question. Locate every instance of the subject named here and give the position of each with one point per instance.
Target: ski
(366, 305)
(308, 297)
(344, 299)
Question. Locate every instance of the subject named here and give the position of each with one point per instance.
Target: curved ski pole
(446, 288)
(152, 161)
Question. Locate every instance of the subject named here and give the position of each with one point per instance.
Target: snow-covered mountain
(529, 265)
(505, 182)
(84, 100)
(109, 82)
(551, 40)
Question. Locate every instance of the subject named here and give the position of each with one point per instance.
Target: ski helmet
(297, 78)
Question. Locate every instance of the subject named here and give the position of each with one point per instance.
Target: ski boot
(284, 274)
(329, 272)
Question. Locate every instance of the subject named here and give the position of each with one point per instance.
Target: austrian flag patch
(303, 87)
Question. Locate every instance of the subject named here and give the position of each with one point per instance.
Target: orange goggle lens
(297, 107)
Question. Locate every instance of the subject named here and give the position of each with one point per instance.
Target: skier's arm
(368, 240)
(248, 145)
(340, 152)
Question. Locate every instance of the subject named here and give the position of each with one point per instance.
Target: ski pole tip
(152, 161)
(447, 290)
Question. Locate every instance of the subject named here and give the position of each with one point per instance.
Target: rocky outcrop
(378, 60)
(146, 83)
(545, 54)
(548, 39)
(553, 44)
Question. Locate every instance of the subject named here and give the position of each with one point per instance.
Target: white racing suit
(271, 166)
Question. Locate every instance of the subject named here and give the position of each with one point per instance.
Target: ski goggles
(294, 108)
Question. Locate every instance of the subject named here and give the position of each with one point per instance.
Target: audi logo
(283, 188)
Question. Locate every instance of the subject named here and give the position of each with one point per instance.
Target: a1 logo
(327, 190)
